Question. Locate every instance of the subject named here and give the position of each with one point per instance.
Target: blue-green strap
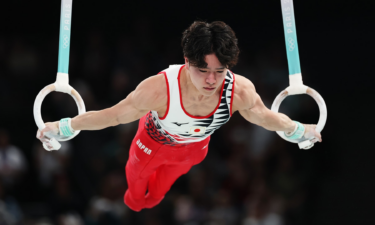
(65, 127)
(64, 42)
(290, 37)
(297, 133)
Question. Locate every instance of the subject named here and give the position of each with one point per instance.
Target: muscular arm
(251, 107)
(150, 94)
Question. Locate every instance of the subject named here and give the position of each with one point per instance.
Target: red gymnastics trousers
(154, 167)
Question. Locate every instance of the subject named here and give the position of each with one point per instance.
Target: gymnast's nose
(211, 78)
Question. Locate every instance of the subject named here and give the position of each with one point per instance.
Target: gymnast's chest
(199, 108)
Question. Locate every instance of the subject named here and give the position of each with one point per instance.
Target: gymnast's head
(202, 39)
(210, 49)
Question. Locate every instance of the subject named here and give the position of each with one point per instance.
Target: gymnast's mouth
(209, 88)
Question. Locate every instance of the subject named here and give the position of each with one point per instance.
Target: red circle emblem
(197, 130)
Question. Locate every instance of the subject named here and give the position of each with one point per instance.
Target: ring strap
(290, 37)
(64, 42)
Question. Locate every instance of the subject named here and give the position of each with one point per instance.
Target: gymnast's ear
(186, 62)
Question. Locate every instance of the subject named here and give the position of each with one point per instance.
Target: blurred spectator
(224, 211)
(70, 219)
(116, 151)
(288, 183)
(184, 209)
(262, 208)
(50, 164)
(108, 207)
(10, 212)
(64, 201)
(188, 212)
(12, 161)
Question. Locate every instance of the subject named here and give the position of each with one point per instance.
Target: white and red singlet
(177, 126)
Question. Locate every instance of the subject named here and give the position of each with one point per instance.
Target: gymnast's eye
(203, 71)
(220, 71)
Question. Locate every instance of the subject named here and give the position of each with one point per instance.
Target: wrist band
(297, 133)
(291, 133)
(65, 127)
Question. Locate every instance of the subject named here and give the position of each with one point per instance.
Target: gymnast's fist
(51, 129)
(310, 132)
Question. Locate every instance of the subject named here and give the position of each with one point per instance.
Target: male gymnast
(178, 110)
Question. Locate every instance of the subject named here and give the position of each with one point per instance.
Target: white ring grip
(60, 85)
(303, 142)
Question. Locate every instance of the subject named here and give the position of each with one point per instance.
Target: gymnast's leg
(142, 163)
(161, 181)
(165, 175)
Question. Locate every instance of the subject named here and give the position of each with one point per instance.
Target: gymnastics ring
(303, 143)
(296, 85)
(61, 85)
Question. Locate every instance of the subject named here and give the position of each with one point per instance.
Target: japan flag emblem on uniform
(197, 130)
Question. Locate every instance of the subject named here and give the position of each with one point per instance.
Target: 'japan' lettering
(143, 147)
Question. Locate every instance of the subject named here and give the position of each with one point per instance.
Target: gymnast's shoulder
(152, 91)
(244, 93)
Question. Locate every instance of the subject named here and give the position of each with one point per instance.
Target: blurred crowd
(249, 177)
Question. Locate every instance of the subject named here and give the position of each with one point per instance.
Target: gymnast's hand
(51, 129)
(310, 132)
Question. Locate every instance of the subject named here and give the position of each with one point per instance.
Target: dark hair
(202, 39)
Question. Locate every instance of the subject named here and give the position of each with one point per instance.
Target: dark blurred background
(250, 176)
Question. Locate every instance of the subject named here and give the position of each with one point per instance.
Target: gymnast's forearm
(93, 120)
(264, 117)
(121, 113)
(278, 122)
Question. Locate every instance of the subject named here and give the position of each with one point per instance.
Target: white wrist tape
(65, 127)
(55, 145)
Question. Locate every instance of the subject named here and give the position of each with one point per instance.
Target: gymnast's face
(207, 80)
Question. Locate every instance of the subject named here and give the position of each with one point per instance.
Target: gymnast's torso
(177, 126)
